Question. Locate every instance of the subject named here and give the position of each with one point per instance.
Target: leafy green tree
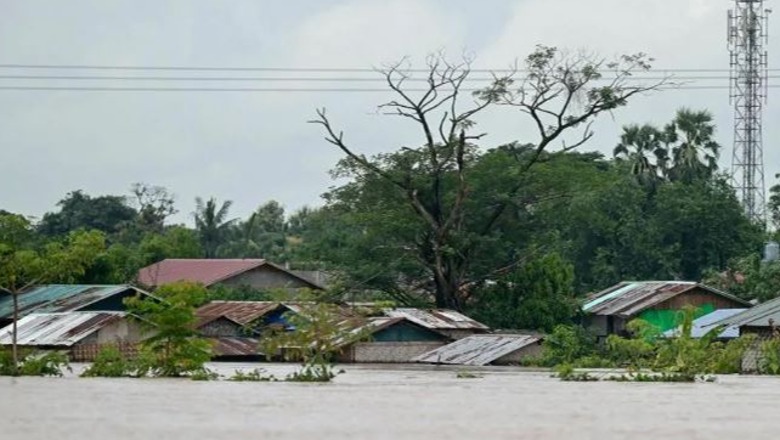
(212, 224)
(774, 206)
(262, 235)
(747, 277)
(155, 204)
(694, 149)
(536, 296)
(108, 214)
(643, 148)
(559, 95)
(173, 348)
(22, 267)
(321, 332)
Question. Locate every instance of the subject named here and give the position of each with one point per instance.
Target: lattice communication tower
(748, 38)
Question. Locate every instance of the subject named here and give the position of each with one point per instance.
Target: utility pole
(747, 38)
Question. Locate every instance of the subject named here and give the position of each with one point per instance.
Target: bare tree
(559, 93)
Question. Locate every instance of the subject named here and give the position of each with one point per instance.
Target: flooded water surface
(387, 403)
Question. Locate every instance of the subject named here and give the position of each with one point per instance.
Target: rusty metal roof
(437, 319)
(629, 298)
(58, 329)
(235, 346)
(206, 271)
(61, 298)
(477, 350)
(242, 312)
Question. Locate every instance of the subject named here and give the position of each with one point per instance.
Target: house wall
(265, 277)
(602, 326)
(221, 328)
(386, 352)
(459, 333)
(698, 298)
(407, 332)
(516, 357)
(114, 303)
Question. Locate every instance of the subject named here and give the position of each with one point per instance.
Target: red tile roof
(204, 271)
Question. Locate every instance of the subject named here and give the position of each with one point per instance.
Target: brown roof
(241, 312)
(235, 346)
(629, 298)
(205, 271)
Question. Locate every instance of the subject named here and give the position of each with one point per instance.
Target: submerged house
(390, 340)
(253, 273)
(489, 349)
(658, 302)
(763, 321)
(703, 325)
(55, 298)
(450, 323)
(81, 334)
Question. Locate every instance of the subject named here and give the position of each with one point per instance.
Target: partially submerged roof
(630, 298)
(757, 316)
(437, 319)
(206, 271)
(701, 326)
(477, 350)
(234, 346)
(62, 298)
(58, 329)
(242, 312)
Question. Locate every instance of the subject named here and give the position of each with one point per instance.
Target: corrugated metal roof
(61, 298)
(235, 346)
(439, 319)
(629, 298)
(707, 322)
(757, 316)
(478, 350)
(242, 312)
(58, 329)
(205, 271)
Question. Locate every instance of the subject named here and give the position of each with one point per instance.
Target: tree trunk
(14, 350)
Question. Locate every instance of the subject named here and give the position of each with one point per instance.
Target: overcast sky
(253, 147)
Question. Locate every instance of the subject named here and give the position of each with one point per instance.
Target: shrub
(204, 374)
(566, 344)
(770, 357)
(465, 374)
(110, 362)
(256, 375)
(174, 348)
(34, 363)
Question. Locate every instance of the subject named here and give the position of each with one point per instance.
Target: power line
(282, 69)
(269, 89)
(314, 79)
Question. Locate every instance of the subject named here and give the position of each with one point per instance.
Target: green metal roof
(60, 298)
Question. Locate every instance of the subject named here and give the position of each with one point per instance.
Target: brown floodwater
(385, 402)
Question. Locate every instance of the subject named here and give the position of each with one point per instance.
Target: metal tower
(747, 36)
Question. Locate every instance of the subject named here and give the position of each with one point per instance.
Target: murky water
(387, 403)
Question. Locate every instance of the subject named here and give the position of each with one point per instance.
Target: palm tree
(643, 147)
(212, 224)
(243, 239)
(696, 152)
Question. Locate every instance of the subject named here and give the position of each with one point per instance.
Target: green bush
(204, 374)
(110, 362)
(256, 375)
(770, 357)
(34, 363)
(566, 344)
(173, 348)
